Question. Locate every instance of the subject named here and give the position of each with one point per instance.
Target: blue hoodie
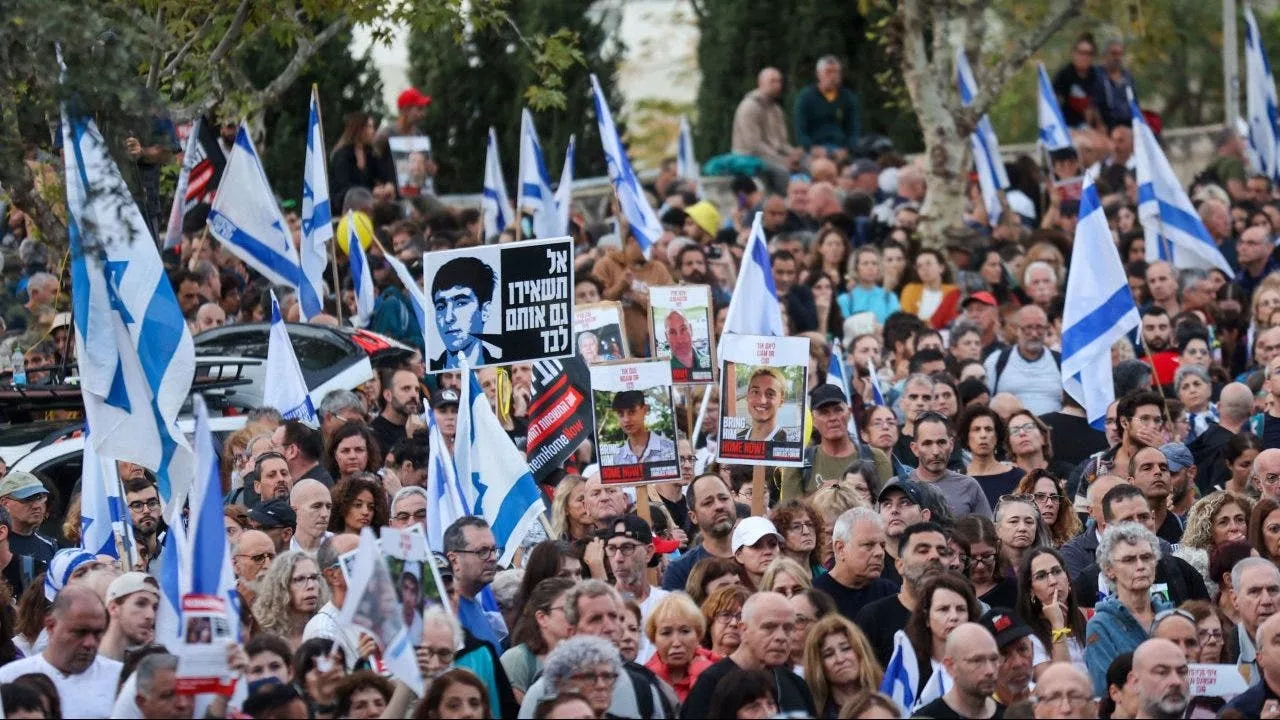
(1112, 632)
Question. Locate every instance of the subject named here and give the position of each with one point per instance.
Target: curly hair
(972, 413)
(785, 514)
(560, 505)
(1257, 521)
(917, 629)
(1067, 524)
(373, 450)
(271, 608)
(1203, 514)
(349, 685)
(345, 494)
(869, 671)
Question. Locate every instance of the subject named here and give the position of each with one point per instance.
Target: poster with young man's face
(499, 304)
(635, 422)
(680, 317)
(411, 155)
(762, 389)
(599, 333)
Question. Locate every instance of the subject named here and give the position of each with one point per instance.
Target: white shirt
(1037, 383)
(646, 608)
(90, 694)
(657, 449)
(293, 543)
(325, 625)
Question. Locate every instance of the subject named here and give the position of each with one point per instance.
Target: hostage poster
(560, 418)
(681, 330)
(762, 390)
(635, 422)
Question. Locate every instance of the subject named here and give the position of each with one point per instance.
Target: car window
(314, 352)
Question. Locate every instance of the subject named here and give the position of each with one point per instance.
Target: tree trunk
(946, 161)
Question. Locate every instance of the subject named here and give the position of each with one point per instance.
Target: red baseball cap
(412, 97)
(983, 297)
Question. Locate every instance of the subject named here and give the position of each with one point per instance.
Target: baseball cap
(862, 167)
(444, 397)
(273, 514)
(705, 215)
(412, 97)
(635, 528)
(910, 488)
(1004, 626)
(627, 399)
(130, 583)
(983, 297)
(751, 530)
(21, 485)
(1178, 455)
(825, 394)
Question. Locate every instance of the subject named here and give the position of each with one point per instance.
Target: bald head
(769, 82)
(1098, 490)
(764, 602)
(1267, 632)
(1235, 404)
(1005, 404)
(970, 638)
(1156, 652)
(1058, 680)
(345, 543)
(74, 598)
(304, 490)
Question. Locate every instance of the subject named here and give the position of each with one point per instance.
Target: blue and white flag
(173, 229)
(1170, 223)
(209, 556)
(444, 494)
(754, 307)
(361, 275)
(686, 161)
(902, 674)
(836, 374)
(284, 387)
(175, 581)
(495, 206)
(135, 352)
(417, 298)
(992, 178)
(644, 223)
(534, 195)
(247, 219)
(494, 475)
(317, 217)
(1053, 126)
(1260, 101)
(104, 517)
(877, 395)
(1099, 309)
(564, 191)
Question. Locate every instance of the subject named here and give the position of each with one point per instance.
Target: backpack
(645, 683)
(1003, 359)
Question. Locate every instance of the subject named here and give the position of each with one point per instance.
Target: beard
(1156, 344)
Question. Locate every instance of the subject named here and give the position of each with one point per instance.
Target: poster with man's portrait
(762, 390)
(680, 317)
(635, 422)
(411, 155)
(417, 581)
(499, 304)
(599, 333)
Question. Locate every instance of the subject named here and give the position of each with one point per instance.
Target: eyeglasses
(140, 505)
(1023, 429)
(444, 655)
(608, 677)
(484, 552)
(688, 459)
(303, 580)
(625, 549)
(1207, 635)
(260, 558)
(419, 515)
(1044, 497)
(801, 527)
(985, 559)
(1069, 698)
(1055, 571)
(728, 617)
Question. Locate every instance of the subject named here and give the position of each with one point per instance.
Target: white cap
(750, 530)
(130, 583)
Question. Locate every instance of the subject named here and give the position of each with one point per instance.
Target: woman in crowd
(629, 637)
(362, 695)
(355, 161)
(866, 294)
(838, 664)
(587, 665)
(358, 502)
(880, 430)
(1211, 629)
(829, 257)
(981, 431)
(1019, 527)
(1213, 521)
(1120, 696)
(548, 559)
(745, 695)
(786, 577)
(723, 614)
(541, 627)
(457, 694)
(235, 519)
(1238, 457)
(317, 666)
(830, 320)
(871, 705)
(712, 573)
(290, 591)
(894, 264)
(675, 627)
(945, 601)
(831, 501)
(861, 477)
(965, 343)
(1058, 515)
(946, 397)
(352, 449)
(1047, 602)
(565, 706)
(1195, 388)
(932, 298)
(1127, 554)
(570, 516)
(1264, 529)
(1029, 445)
(799, 525)
(811, 606)
(984, 565)
(1220, 567)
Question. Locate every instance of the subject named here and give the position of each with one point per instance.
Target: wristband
(1061, 634)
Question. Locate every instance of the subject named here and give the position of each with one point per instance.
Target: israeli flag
(495, 206)
(1099, 309)
(877, 395)
(1053, 126)
(564, 191)
(836, 374)
(209, 554)
(444, 494)
(535, 195)
(174, 578)
(135, 352)
(103, 513)
(285, 388)
(902, 674)
(1170, 222)
(644, 223)
(317, 217)
(361, 275)
(246, 218)
(417, 298)
(992, 178)
(754, 308)
(173, 229)
(1260, 100)
(686, 161)
(493, 474)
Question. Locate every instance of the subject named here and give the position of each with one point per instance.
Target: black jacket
(1183, 581)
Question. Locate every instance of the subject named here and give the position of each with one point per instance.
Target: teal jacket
(1112, 632)
(394, 317)
(835, 124)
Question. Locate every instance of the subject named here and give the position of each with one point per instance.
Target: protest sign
(1214, 680)
(202, 652)
(373, 605)
(560, 414)
(635, 422)
(500, 304)
(680, 317)
(762, 407)
(411, 154)
(599, 333)
(413, 570)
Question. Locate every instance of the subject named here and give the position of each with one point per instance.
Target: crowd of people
(959, 541)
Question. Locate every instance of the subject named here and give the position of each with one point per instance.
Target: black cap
(674, 217)
(272, 514)
(910, 488)
(627, 399)
(627, 526)
(825, 394)
(1004, 626)
(444, 397)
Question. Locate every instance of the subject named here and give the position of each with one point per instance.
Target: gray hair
(1186, 370)
(917, 379)
(437, 614)
(357, 198)
(42, 278)
(338, 400)
(506, 586)
(405, 492)
(149, 666)
(1127, 532)
(1188, 277)
(269, 414)
(843, 530)
(933, 500)
(962, 328)
(827, 60)
(1237, 572)
(585, 589)
(579, 651)
(1040, 265)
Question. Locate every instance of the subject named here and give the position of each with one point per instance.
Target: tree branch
(231, 35)
(172, 66)
(993, 81)
(157, 55)
(307, 48)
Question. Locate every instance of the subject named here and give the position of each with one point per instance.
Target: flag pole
(337, 288)
(324, 167)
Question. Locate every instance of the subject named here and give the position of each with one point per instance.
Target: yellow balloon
(364, 230)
